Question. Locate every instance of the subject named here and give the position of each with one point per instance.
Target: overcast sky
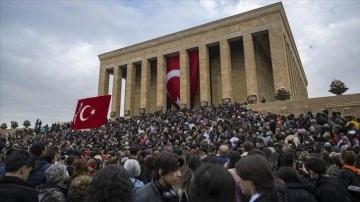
(49, 49)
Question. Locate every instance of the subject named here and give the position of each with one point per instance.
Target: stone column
(184, 79)
(225, 63)
(278, 58)
(116, 93)
(103, 88)
(205, 92)
(250, 66)
(161, 85)
(129, 92)
(145, 83)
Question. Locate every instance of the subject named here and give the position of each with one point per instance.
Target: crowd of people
(216, 153)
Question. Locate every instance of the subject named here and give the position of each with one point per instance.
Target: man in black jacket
(328, 189)
(13, 186)
(166, 174)
(37, 175)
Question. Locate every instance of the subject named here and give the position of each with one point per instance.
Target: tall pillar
(129, 92)
(225, 63)
(145, 83)
(161, 85)
(278, 58)
(104, 75)
(250, 66)
(184, 79)
(205, 92)
(116, 93)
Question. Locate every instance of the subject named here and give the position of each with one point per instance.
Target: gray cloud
(49, 49)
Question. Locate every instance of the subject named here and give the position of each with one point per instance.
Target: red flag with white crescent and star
(91, 112)
(173, 80)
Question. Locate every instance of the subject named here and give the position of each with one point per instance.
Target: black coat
(350, 178)
(13, 189)
(298, 193)
(331, 189)
(151, 193)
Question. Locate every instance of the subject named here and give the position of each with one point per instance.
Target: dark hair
(256, 169)
(234, 157)
(37, 148)
(50, 155)
(212, 182)
(194, 162)
(134, 149)
(286, 159)
(317, 165)
(274, 161)
(17, 159)
(71, 159)
(288, 174)
(248, 146)
(168, 162)
(110, 183)
(348, 157)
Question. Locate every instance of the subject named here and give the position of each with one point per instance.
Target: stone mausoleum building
(249, 54)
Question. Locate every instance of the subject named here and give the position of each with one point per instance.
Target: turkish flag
(194, 74)
(173, 80)
(91, 112)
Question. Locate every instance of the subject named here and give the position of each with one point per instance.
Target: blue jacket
(37, 175)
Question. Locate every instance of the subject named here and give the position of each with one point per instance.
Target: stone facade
(345, 104)
(252, 53)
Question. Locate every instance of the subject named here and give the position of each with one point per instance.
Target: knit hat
(55, 173)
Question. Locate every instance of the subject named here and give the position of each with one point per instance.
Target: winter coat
(37, 175)
(350, 176)
(51, 193)
(331, 189)
(298, 193)
(151, 193)
(15, 189)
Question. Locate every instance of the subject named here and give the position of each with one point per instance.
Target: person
(247, 146)
(81, 168)
(13, 186)
(211, 183)
(110, 184)
(256, 178)
(234, 157)
(224, 151)
(187, 173)
(328, 189)
(79, 188)
(133, 168)
(135, 154)
(37, 175)
(70, 162)
(348, 173)
(166, 174)
(298, 189)
(51, 191)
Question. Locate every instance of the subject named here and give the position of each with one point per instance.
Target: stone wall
(215, 75)
(152, 91)
(346, 104)
(264, 72)
(239, 93)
